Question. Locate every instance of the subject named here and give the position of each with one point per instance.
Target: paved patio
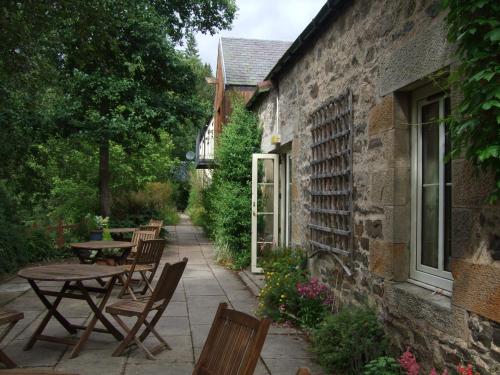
(185, 326)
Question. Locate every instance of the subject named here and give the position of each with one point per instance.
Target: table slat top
(98, 245)
(69, 272)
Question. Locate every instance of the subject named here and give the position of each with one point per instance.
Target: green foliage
(474, 27)
(283, 269)
(196, 207)
(345, 342)
(154, 200)
(228, 199)
(382, 366)
(82, 75)
(19, 244)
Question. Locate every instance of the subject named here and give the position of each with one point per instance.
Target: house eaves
(326, 15)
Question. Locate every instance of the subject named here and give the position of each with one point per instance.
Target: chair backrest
(303, 371)
(233, 344)
(141, 235)
(149, 251)
(168, 281)
(158, 223)
(151, 228)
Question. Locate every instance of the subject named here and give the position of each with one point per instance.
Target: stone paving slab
(184, 325)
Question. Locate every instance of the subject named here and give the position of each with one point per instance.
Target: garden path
(185, 326)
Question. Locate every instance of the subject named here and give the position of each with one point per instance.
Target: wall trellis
(331, 179)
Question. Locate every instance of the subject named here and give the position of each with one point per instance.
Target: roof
(246, 62)
(327, 13)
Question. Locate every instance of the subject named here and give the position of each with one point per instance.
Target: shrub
(155, 200)
(19, 244)
(382, 366)
(345, 342)
(196, 208)
(315, 302)
(228, 199)
(279, 298)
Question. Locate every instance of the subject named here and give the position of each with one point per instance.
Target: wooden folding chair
(147, 259)
(9, 318)
(158, 302)
(152, 228)
(233, 344)
(140, 235)
(158, 223)
(303, 371)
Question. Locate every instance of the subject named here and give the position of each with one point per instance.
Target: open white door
(265, 205)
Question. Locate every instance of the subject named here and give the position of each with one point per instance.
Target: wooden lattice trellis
(331, 179)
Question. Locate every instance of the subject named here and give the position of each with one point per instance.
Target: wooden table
(72, 276)
(99, 246)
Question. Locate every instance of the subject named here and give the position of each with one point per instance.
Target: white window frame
(285, 199)
(419, 273)
(288, 199)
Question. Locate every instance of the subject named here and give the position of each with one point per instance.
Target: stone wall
(381, 51)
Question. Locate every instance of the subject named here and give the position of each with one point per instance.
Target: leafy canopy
(474, 26)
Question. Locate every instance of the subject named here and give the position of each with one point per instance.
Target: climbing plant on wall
(474, 28)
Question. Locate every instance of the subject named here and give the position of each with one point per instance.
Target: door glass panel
(430, 184)
(265, 198)
(265, 171)
(265, 228)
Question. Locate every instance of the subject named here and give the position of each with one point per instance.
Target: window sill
(416, 303)
(426, 293)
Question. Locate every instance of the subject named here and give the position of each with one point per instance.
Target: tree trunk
(104, 191)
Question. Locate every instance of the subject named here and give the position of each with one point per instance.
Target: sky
(262, 19)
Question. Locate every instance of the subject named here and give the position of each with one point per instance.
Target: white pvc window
(431, 192)
(288, 200)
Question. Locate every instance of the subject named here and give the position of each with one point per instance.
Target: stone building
(352, 127)
(241, 65)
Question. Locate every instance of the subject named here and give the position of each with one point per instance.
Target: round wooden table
(73, 278)
(83, 250)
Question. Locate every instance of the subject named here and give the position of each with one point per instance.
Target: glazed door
(265, 205)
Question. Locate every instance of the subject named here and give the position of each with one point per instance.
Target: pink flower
(409, 363)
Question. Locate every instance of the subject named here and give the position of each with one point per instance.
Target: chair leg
(131, 336)
(4, 358)
(156, 334)
(146, 281)
(126, 287)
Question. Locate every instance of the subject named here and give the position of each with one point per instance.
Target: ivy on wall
(474, 28)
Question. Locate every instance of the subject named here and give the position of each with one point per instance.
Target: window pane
(430, 143)
(430, 225)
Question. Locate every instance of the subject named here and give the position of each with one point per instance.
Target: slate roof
(248, 61)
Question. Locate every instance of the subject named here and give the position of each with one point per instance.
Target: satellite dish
(190, 155)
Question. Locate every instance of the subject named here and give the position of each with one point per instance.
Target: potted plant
(99, 228)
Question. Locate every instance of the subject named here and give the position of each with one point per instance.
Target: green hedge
(228, 199)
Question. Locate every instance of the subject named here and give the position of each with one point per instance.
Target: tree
(114, 71)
